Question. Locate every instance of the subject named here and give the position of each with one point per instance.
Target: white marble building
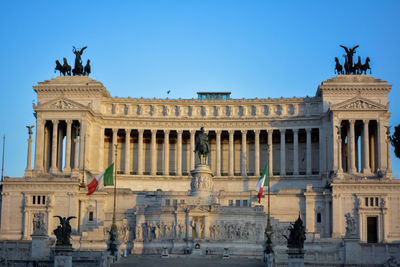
(329, 156)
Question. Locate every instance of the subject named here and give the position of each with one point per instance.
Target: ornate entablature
(212, 109)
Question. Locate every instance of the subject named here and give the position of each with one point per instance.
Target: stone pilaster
(231, 153)
(295, 151)
(257, 152)
(308, 151)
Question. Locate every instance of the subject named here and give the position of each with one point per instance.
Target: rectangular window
(91, 216)
(38, 200)
(175, 202)
(43, 200)
(230, 202)
(237, 203)
(182, 201)
(167, 202)
(377, 202)
(245, 203)
(371, 201)
(318, 217)
(366, 202)
(34, 200)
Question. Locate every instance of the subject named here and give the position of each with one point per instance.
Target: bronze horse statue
(202, 146)
(64, 69)
(338, 67)
(365, 67)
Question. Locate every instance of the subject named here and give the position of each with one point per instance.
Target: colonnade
(187, 138)
(354, 134)
(49, 156)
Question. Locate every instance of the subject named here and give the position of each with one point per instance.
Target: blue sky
(145, 48)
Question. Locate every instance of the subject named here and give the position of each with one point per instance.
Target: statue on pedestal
(202, 147)
(63, 231)
(297, 235)
(39, 227)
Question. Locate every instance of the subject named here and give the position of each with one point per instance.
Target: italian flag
(106, 176)
(260, 184)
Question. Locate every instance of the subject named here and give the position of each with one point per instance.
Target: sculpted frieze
(358, 103)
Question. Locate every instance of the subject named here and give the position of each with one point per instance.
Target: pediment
(359, 103)
(61, 104)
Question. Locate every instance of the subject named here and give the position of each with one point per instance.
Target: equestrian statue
(202, 147)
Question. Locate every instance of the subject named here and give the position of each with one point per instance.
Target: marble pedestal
(295, 257)
(40, 247)
(351, 248)
(202, 186)
(63, 256)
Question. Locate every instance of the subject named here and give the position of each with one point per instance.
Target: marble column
(366, 167)
(76, 152)
(283, 152)
(308, 151)
(218, 153)
(101, 150)
(166, 152)
(54, 147)
(388, 142)
(192, 154)
(39, 148)
(244, 153)
(153, 152)
(231, 153)
(179, 153)
(351, 147)
(339, 142)
(28, 161)
(140, 151)
(114, 142)
(295, 151)
(68, 147)
(379, 141)
(127, 151)
(257, 152)
(270, 154)
(82, 150)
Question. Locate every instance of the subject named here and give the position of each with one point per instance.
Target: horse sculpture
(338, 67)
(202, 146)
(365, 67)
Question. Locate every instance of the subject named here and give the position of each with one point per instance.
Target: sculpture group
(349, 66)
(78, 69)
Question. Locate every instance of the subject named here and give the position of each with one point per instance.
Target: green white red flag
(261, 183)
(103, 179)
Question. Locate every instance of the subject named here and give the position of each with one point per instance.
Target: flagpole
(115, 185)
(113, 241)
